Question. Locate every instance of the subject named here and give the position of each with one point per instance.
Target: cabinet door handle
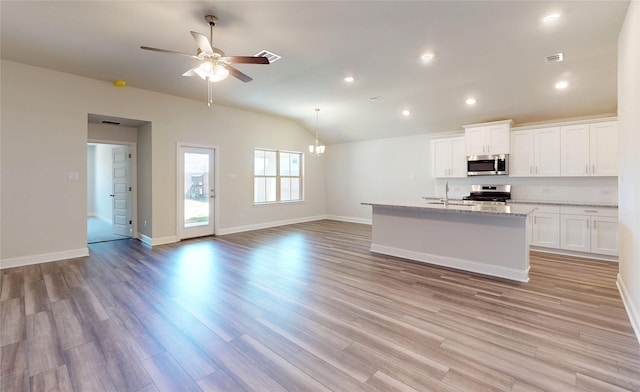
(595, 224)
(530, 169)
(593, 169)
(536, 169)
(586, 169)
(534, 219)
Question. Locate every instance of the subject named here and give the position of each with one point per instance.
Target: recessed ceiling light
(427, 57)
(348, 79)
(470, 101)
(551, 18)
(406, 112)
(562, 85)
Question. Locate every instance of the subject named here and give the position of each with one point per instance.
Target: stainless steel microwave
(488, 165)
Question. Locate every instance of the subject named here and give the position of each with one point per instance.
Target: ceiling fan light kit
(215, 66)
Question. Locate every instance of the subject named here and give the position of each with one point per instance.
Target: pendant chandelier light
(316, 149)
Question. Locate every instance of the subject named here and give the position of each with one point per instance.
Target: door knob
(112, 195)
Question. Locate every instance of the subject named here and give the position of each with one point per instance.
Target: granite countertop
(455, 206)
(545, 202)
(564, 203)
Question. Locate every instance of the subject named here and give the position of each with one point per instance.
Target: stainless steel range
(488, 194)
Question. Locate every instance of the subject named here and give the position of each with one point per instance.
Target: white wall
(398, 169)
(376, 170)
(44, 139)
(629, 148)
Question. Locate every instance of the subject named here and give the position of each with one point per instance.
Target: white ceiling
(492, 50)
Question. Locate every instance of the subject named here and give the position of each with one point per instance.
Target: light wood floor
(307, 307)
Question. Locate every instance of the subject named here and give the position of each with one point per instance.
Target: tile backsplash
(567, 189)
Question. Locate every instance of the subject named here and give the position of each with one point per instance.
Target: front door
(121, 192)
(196, 191)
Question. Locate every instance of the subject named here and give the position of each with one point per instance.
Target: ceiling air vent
(555, 58)
(110, 122)
(269, 55)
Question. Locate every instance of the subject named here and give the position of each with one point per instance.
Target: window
(277, 176)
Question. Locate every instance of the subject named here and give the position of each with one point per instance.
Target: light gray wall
(145, 201)
(44, 139)
(629, 148)
(114, 133)
(91, 180)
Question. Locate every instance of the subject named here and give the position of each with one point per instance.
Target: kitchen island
(490, 240)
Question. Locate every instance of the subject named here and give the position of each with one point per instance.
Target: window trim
(278, 177)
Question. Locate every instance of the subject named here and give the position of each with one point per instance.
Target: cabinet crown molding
(563, 123)
(510, 122)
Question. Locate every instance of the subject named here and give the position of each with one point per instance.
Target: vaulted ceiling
(493, 51)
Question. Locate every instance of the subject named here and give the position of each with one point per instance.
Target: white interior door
(121, 192)
(196, 191)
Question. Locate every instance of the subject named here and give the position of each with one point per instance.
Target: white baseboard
(564, 252)
(157, 241)
(349, 219)
(630, 306)
(266, 225)
(43, 258)
(466, 265)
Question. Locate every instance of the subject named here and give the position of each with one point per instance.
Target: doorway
(196, 191)
(110, 192)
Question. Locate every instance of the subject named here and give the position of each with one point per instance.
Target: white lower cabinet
(545, 227)
(591, 230)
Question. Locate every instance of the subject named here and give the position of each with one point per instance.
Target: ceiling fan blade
(247, 60)
(169, 51)
(190, 72)
(203, 43)
(236, 73)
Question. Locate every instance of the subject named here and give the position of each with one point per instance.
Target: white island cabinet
(490, 240)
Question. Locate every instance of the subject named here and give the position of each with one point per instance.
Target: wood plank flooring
(307, 307)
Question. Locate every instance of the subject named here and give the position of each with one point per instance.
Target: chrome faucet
(446, 193)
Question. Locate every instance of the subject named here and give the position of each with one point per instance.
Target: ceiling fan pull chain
(209, 93)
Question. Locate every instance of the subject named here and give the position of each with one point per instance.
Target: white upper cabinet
(449, 158)
(489, 138)
(590, 149)
(575, 150)
(535, 152)
(603, 139)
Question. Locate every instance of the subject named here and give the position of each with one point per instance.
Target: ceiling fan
(215, 65)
